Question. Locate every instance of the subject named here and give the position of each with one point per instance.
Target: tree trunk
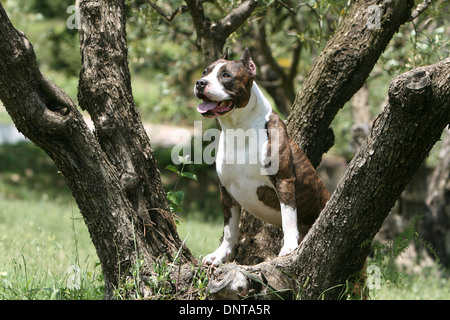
(111, 172)
(338, 243)
(338, 73)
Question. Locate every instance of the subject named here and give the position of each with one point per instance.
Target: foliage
(386, 255)
(173, 196)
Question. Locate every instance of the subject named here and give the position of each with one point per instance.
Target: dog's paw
(288, 247)
(286, 250)
(216, 258)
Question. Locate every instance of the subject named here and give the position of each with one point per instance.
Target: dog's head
(225, 85)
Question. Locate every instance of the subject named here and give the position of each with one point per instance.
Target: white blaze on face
(215, 90)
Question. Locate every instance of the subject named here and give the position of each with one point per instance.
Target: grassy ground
(427, 285)
(43, 242)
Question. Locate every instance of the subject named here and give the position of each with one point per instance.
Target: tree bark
(338, 243)
(111, 172)
(338, 73)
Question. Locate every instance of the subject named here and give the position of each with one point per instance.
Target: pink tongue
(206, 106)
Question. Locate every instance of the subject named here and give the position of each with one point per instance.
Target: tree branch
(160, 11)
(235, 18)
(197, 13)
(419, 9)
(211, 36)
(291, 10)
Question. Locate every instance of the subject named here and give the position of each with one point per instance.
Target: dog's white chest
(239, 166)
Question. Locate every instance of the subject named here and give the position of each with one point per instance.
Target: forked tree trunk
(212, 35)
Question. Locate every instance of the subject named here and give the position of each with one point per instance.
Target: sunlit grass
(41, 243)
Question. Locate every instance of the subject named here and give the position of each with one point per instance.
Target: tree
(112, 171)
(212, 35)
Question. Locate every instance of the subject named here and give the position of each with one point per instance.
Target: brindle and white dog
(269, 175)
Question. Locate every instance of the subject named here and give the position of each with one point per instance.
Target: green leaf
(173, 169)
(175, 197)
(189, 175)
(179, 196)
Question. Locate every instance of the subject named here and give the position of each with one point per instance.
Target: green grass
(40, 243)
(428, 284)
(43, 238)
(202, 237)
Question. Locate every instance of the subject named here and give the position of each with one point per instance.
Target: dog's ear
(248, 62)
(225, 54)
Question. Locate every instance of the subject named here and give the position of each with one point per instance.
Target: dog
(265, 172)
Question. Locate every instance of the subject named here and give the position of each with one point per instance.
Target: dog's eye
(226, 75)
(204, 73)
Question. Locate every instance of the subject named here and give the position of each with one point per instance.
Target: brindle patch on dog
(296, 183)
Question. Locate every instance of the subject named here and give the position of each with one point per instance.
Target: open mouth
(213, 109)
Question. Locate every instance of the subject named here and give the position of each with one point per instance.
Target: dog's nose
(201, 84)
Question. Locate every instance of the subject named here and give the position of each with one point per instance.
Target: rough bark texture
(339, 241)
(338, 73)
(111, 172)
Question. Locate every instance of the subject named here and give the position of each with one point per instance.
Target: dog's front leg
(286, 195)
(232, 212)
